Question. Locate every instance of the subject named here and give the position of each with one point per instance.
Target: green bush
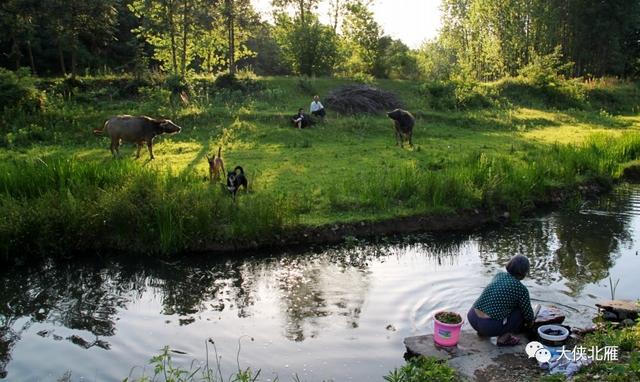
(545, 70)
(564, 94)
(364, 78)
(458, 94)
(18, 91)
(245, 84)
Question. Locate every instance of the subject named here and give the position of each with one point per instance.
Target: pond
(336, 313)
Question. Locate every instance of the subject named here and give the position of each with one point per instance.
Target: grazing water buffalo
(137, 130)
(403, 122)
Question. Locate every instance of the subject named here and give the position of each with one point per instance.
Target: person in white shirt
(316, 108)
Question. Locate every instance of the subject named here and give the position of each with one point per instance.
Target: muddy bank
(631, 174)
(339, 232)
(463, 220)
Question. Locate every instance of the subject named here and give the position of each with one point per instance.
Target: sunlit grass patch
(346, 169)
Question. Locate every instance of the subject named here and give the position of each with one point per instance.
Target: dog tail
(239, 168)
(219, 151)
(101, 131)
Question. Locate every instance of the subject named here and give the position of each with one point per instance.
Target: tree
(170, 26)
(240, 17)
(304, 8)
(337, 9)
(493, 38)
(268, 58)
(395, 60)
(222, 34)
(18, 18)
(308, 49)
(435, 61)
(361, 35)
(71, 20)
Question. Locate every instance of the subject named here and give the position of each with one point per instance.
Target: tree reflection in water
(320, 287)
(308, 291)
(577, 246)
(87, 297)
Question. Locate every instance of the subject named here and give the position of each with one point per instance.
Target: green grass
(60, 191)
(626, 368)
(420, 369)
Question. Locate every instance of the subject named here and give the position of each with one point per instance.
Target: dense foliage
(481, 39)
(489, 39)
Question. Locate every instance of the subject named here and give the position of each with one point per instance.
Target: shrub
(455, 94)
(364, 78)
(563, 94)
(246, 83)
(18, 91)
(546, 70)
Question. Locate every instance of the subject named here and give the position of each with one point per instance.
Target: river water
(336, 313)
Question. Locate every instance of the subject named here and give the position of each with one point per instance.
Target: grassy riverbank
(494, 147)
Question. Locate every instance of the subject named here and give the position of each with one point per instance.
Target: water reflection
(576, 246)
(319, 287)
(308, 295)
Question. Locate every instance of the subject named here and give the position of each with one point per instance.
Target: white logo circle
(532, 347)
(543, 355)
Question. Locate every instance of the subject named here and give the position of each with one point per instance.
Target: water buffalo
(137, 130)
(403, 122)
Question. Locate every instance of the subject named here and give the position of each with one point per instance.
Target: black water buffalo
(403, 122)
(138, 130)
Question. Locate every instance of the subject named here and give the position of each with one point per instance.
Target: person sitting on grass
(316, 108)
(504, 306)
(300, 120)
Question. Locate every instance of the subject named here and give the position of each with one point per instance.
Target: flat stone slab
(623, 309)
(472, 354)
(469, 344)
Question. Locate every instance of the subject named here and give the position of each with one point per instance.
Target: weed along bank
(319, 190)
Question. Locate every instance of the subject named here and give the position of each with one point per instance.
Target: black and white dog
(236, 179)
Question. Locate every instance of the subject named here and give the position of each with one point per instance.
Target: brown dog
(216, 166)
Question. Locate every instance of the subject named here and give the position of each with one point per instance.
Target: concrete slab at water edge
(477, 358)
(622, 309)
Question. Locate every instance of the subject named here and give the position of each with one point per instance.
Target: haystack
(354, 99)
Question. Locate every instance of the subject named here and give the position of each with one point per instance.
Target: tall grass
(63, 204)
(489, 181)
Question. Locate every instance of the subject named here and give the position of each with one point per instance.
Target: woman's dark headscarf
(518, 266)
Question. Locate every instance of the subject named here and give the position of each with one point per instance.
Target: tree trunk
(74, 57)
(185, 31)
(31, 60)
(15, 52)
(232, 38)
(172, 31)
(61, 58)
(336, 15)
